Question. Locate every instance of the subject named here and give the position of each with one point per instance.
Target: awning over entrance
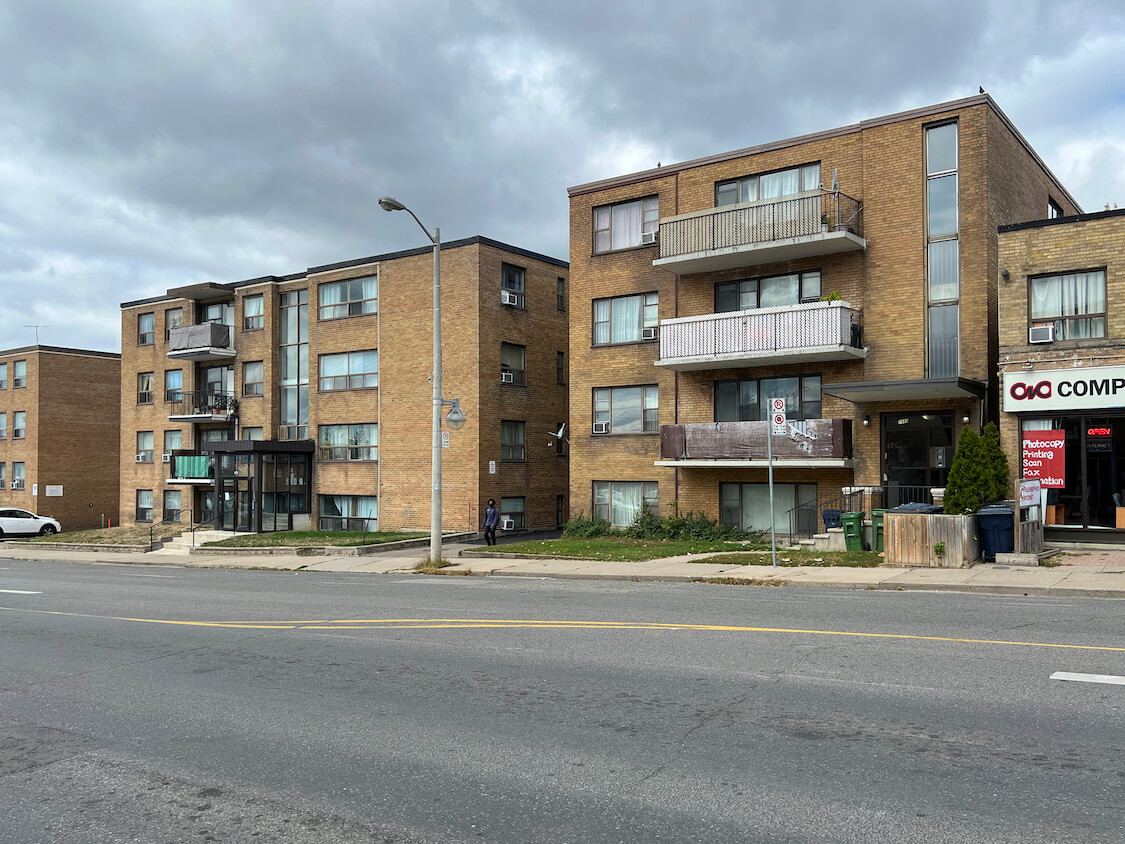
(917, 389)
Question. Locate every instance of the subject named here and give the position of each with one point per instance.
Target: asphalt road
(164, 704)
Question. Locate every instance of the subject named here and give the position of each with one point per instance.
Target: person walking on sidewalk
(491, 520)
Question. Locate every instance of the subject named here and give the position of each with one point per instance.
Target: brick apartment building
(290, 402)
(59, 433)
(851, 272)
(1062, 368)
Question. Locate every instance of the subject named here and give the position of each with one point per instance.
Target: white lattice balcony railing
(789, 334)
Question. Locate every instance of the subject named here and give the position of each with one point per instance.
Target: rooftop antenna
(37, 327)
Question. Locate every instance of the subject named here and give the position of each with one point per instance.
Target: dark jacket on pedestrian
(491, 517)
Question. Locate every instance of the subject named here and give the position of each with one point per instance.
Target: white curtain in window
(253, 306)
(625, 504)
(756, 506)
(779, 290)
(367, 507)
(774, 185)
(601, 321)
(367, 288)
(626, 225)
(626, 320)
(334, 435)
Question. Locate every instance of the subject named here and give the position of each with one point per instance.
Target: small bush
(586, 528)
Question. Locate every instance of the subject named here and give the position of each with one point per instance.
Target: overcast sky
(147, 145)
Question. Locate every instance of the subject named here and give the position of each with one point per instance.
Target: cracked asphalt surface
(405, 709)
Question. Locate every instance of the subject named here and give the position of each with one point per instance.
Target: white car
(15, 522)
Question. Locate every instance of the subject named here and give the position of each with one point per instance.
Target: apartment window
(620, 226)
(511, 440)
(252, 378)
(350, 371)
(213, 435)
(560, 367)
(349, 442)
(748, 400)
(3, 376)
(253, 433)
(19, 424)
(1073, 302)
(513, 509)
(144, 446)
(747, 506)
(768, 185)
(144, 387)
(1054, 210)
(512, 359)
(512, 282)
(293, 362)
(173, 318)
(173, 441)
(18, 478)
(3, 426)
(3, 475)
(560, 294)
(173, 385)
(768, 292)
(623, 319)
(254, 312)
(19, 374)
(349, 512)
(146, 329)
(144, 505)
(626, 410)
(220, 312)
(354, 297)
(620, 502)
(943, 256)
(171, 505)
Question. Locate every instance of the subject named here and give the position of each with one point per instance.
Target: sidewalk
(1087, 572)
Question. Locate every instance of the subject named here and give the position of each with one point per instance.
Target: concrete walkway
(1087, 572)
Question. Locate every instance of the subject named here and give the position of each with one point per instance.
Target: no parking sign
(777, 415)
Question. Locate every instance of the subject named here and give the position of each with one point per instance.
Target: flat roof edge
(60, 350)
(1058, 221)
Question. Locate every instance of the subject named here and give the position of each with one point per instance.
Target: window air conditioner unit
(166, 457)
(648, 333)
(17, 483)
(507, 524)
(648, 238)
(140, 458)
(1041, 334)
(601, 427)
(507, 378)
(507, 297)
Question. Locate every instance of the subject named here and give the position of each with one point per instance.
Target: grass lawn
(614, 549)
(788, 557)
(121, 535)
(294, 538)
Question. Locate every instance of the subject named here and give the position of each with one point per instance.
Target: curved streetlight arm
(389, 203)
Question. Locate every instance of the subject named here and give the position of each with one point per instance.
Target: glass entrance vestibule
(260, 486)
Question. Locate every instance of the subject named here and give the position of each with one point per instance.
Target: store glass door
(917, 451)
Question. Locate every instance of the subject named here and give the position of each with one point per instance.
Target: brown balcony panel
(763, 232)
(206, 342)
(815, 331)
(812, 443)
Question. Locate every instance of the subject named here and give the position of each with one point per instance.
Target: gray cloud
(149, 145)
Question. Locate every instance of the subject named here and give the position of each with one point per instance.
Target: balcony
(816, 331)
(196, 469)
(807, 444)
(203, 406)
(209, 341)
(763, 232)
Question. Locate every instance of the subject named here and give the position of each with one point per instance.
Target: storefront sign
(1030, 493)
(1044, 457)
(1091, 388)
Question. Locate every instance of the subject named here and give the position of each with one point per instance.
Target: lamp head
(389, 203)
(455, 419)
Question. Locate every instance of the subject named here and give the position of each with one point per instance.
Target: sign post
(777, 426)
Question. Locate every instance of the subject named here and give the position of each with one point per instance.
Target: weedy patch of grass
(440, 567)
(297, 538)
(614, 548)
(745, 581)
(120, 535)
(851, 559)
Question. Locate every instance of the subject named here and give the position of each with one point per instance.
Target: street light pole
(455, 418)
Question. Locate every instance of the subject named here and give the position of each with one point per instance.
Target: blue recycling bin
(997, 531)
(917, 507)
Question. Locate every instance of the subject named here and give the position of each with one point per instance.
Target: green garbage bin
(877, 528)
(853, 530)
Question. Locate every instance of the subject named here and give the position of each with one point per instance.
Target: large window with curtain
(512, 440)
(620, 226)
(349, 512)
(349, 442)
(623, 319)
(354, 297)
(943, 251)
(747, 506)
(349, 371)
(620, 502)
(254, 312)
(775, 185)
(1073, 302)
(627, 410)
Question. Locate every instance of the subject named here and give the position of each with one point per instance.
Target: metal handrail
(804, 519)
(194, 528)
(178, 520)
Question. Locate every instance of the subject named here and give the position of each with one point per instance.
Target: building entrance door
(237, 505)
(917, 451)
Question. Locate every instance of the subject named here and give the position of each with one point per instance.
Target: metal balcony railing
(204, 403)
(750, 223)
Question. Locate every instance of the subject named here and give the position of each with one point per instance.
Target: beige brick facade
(474, 324)
(71, 437)
(881, 163)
